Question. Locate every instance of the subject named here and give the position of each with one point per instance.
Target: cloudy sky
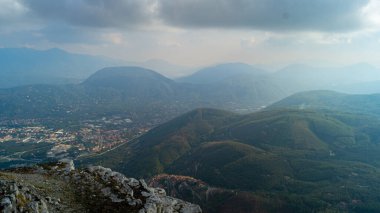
(199, 32)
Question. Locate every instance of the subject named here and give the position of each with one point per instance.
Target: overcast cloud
(198, 32)
(315, 15)
(94, 13)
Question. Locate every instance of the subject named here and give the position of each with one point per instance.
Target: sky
(199, 32)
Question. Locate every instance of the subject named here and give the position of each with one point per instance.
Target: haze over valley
(189, 106)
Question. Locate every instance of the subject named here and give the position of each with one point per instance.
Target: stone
(5, 202)
(69, 164)
(97, 187)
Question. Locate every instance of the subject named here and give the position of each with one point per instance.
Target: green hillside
(329, 100)
(233, 165)
(314, 160)
(296, 133)
(153, 152)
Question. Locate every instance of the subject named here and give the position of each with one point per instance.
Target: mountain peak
(222, 72)
(111, 75)
(127, 71)
(133, 82)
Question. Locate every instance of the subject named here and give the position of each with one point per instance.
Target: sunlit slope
(271, 136)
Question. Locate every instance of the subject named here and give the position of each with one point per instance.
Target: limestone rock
(131, 194)
(15, 197)
(94, 189)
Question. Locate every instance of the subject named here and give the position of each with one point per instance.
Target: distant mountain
(302, 155)
(238, 80)
(237, 83)
(221, 72)
(23, 66)
(368, 87)
(133, 90)
(118, 90)
(329, 100)
(145, 93)
(134, 82)
(246, 92)
(299, 77)
(164, 67)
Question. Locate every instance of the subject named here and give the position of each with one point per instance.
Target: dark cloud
(272, 15)
(93, 13)
(278, 15)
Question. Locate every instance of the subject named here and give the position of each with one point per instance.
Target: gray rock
(99, 189)
(5, 202)
(123, 187)
(69, 165)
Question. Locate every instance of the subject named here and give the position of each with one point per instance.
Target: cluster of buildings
(90, 137)
(35, 134)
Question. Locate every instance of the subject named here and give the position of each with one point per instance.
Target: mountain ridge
(119, 89)
(330, 100)
(296, 153)
(221, 72)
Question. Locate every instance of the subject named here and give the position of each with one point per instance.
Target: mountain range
(308, 159)
(56, 66)
(135, 90)
(222, 72)
(292, 151)
(130, 90)
(304, 77)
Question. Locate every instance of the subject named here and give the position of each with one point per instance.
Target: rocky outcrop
(60, 187)
(16, 197)
(211, 199)
(185, 187)
(214, 199)
(114, 190)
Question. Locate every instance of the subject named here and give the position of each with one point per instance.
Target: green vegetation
(311, 160)
(329, 100)
(23, 153)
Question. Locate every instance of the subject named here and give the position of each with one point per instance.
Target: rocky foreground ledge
(59, 187)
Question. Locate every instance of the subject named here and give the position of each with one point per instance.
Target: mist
(189, 106)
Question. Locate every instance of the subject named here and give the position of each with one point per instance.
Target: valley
(264, 147)
(190, 106)
(24, 145)
(299, 159)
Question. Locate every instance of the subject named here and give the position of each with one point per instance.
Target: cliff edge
(59, 187)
